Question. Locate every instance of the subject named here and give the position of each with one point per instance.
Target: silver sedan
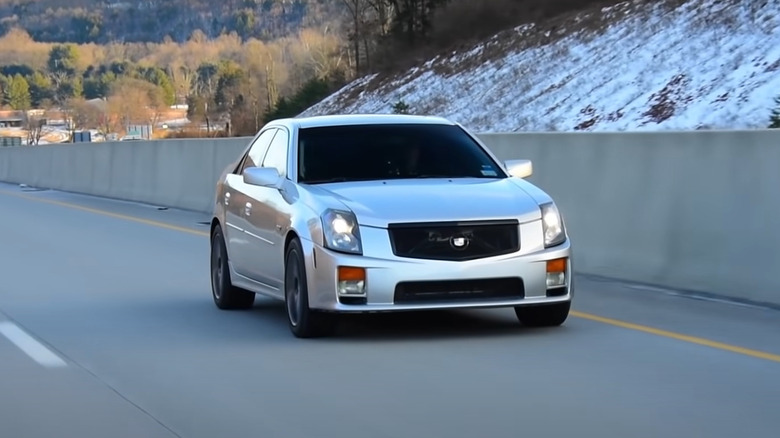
(374, 213)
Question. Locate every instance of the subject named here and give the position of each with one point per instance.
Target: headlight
(341, 231)
(552, 224)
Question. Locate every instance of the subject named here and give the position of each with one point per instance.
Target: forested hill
(103, 21)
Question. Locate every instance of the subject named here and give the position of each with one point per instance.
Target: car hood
(378, 203)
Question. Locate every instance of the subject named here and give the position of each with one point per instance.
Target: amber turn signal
(347, 273)
(557, 265)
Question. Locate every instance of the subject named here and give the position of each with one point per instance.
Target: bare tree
(321, 52)
(135, 101)
(383, 11)
(357, 13)
(34, 126)
(270, 81)
(183, 80)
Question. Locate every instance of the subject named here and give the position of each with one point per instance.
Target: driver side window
(255, 155)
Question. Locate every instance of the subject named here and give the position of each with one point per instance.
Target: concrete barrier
(177, 173)
(693, 210)
(688, 210)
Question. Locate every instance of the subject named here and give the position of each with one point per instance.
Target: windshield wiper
(434, 175)
(325, 180)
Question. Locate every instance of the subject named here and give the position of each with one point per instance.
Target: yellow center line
(110, 214)
(678, 336)
(577, 314)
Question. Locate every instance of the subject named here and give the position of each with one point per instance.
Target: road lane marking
(37, 351)
(110, 214)
(679, 336)
(596, 318)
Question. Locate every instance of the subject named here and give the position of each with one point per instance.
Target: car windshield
(390, 151)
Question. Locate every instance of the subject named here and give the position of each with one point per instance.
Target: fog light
(556, 279)
(351, 281)
(556, 273)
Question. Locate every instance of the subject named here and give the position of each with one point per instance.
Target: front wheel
(302, 320)
(547, 315)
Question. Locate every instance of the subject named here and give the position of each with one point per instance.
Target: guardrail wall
(693, 210)
(177, 173)
(689, 210)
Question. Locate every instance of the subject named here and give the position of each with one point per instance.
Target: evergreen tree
(401, 107)
(41, 89)
(774, 119)
(19, 93)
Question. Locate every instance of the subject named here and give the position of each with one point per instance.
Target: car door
(241, 245)
(270, 215)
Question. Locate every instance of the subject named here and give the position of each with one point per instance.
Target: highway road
(107, 329)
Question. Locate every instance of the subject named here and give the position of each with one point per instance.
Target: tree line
(104, 21)
(222, 80)
(246, 80)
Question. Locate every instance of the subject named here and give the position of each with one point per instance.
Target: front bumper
(524, 273)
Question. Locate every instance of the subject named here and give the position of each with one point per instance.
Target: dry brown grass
(194, 132)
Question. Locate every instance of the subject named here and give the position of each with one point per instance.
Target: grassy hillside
(102, 21)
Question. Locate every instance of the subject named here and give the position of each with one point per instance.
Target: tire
(548, 315)
(302, 320)
(226, 296)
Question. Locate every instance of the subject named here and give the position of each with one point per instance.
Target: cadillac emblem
(459, 242)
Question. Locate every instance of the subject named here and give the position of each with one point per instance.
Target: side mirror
(519, 168)
(261, 176)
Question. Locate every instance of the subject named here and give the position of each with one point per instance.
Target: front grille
(455, 241)
(459, 290)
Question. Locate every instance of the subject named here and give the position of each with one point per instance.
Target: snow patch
(704, 64)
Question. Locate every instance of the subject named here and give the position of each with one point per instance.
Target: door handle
(227, 198)
(247, 209)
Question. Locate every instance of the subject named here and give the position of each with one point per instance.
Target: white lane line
(37, 351)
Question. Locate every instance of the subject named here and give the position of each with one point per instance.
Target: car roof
(361, 119)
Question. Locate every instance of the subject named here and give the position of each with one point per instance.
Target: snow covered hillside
(697, 64)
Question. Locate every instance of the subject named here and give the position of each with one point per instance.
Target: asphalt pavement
(107, 329)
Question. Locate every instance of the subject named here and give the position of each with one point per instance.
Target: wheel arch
(291, 235)
(305, 225)
(214, 222)
(303, 234)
